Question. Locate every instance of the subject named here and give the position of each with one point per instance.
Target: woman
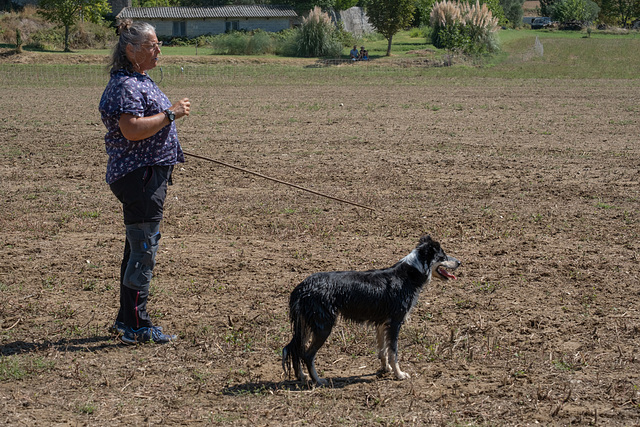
(142, 144)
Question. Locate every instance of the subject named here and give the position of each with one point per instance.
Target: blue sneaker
(118, 328)
(146, 334)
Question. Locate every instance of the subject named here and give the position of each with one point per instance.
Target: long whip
(277, 180)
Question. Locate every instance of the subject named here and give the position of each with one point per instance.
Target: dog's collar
(413, 260)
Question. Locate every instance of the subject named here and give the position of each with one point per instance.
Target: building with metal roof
(197, 21)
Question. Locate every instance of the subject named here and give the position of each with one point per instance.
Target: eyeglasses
(153, 46)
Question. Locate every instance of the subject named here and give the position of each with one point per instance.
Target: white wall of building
(198, 27)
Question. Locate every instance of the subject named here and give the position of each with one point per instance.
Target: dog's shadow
(261, 387)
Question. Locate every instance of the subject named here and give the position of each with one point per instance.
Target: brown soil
(532, 184)
(530, 7)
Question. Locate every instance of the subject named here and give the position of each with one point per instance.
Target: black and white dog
(379, 297)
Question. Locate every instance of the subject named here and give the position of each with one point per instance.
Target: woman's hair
(129, 32)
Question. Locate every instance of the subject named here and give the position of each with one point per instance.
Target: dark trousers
(142, 194)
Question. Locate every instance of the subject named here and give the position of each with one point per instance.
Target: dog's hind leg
(290, 357)
(383, 354)
(317, 340)
(292, 353)
(392, 350)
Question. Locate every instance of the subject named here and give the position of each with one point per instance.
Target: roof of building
(250, 11)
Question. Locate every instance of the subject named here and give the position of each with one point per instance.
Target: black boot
(133, 308)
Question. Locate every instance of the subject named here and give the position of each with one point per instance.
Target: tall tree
(513, 11)
(423, 12)
(344, 4)
(545, 7)
(66, 13)
(304, 6)
(624, 11)
(390, 16)
(574, 10)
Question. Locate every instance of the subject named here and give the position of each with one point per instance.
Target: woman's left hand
(138, 128)
(181, 108)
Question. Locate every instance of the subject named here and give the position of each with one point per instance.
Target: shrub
(18, 41)
(27, 21)
(317, 36)
(36, 33)
(446, 18)
(232, 43)
(88, 35)
(260, 44)
(47, 39)
(345, 37)
(481, 27)
(415, 32)
(467, 28)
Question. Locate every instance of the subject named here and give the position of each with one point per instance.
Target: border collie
(382, 297)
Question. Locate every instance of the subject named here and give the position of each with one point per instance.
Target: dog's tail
(292, 352)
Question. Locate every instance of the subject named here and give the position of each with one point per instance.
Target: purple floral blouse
(136, 94)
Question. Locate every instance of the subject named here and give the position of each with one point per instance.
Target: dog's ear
(425, 239)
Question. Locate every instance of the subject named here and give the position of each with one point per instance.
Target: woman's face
(144, 56)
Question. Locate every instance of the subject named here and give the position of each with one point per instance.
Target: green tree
(495, 6)
(66, 13)
(574, 10)
(423, 11)
(620, 12)
(545, 7)
(159, 3)
(344, 4)
(390, 16)
(513, 11)
(304, 6)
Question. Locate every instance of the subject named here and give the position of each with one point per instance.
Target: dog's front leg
(392, 351)
(383, 354)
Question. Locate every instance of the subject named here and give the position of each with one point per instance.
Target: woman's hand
(138, 128)
(181, 108)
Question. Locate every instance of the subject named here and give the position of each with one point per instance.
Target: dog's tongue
(446, 274)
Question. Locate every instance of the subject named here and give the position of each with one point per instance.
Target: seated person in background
(354, 53)
(364, 54)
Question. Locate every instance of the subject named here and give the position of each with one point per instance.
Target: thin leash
(278, 181)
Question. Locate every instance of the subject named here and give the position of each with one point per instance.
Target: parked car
(542, 22)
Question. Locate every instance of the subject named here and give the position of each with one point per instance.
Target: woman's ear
(129, 51)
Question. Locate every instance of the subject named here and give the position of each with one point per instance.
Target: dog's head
(436, 260)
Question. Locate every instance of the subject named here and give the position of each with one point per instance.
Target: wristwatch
(170, 115)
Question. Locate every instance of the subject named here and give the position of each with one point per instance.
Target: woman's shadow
(90, 344)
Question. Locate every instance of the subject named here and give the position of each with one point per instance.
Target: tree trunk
(389, 46)
(66, 39)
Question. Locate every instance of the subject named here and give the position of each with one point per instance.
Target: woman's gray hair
(133, 33)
